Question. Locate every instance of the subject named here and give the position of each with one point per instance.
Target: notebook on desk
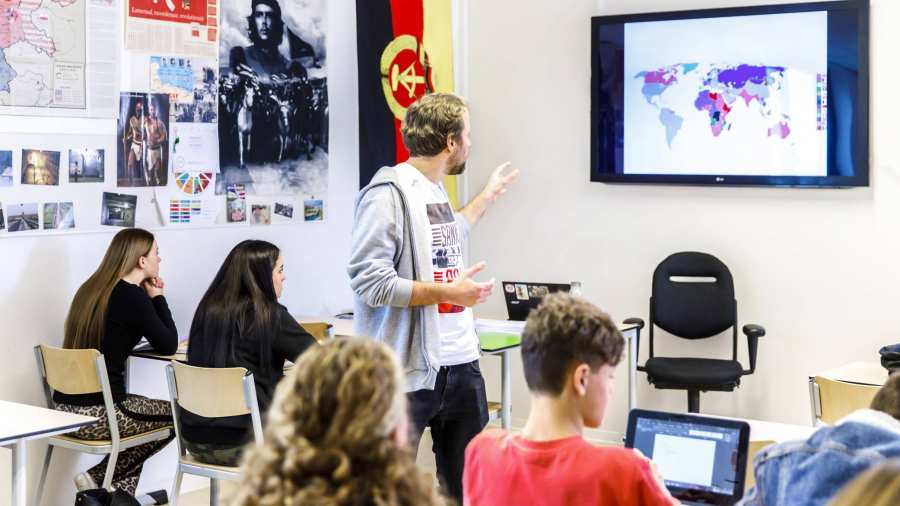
(522, 297)
(701, 459)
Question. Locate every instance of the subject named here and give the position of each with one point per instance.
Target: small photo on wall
(40, 167)
(236, 204)
(6, 168)
(118, 210)
(286, 210)
(59, 215)
(313, 210)
(22, 217)
(86, 165)
(260, 214)
(2, 221)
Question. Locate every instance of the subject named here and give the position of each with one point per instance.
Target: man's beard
(457, 169)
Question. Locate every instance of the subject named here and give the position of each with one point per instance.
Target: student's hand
(153, 286)
(658, 477)
(465, 291)
(498, 182)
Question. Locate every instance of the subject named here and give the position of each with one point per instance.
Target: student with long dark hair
(117, 305)
(239, 323)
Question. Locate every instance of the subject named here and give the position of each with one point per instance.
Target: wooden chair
(76, 372)
(838, 399)
(192, 388)
(319, 330)
(752, 449)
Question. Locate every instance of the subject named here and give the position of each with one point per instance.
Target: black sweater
(290, 341)
(130, 315)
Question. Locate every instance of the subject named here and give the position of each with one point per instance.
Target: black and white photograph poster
(273, 97)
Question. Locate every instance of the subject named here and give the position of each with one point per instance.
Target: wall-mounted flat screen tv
(775, 95)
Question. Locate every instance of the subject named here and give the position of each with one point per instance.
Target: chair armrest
(637, 338)
(753, 333)
(639, 322)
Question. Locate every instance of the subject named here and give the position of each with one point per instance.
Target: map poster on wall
(273, 105)
(143, 140)
(59, 57)
(191, 85)
(42, 54)
(168, 26)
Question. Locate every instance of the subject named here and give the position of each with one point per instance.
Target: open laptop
(522, 297)
(703, 460)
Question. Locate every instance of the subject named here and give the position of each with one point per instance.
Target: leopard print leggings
(136, 414)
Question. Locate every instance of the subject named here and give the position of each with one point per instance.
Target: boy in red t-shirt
(569, 352)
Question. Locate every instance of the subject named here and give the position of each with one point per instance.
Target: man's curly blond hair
(329, 440)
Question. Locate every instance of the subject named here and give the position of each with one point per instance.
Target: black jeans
(456, 411)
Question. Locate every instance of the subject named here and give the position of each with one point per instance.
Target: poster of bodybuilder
(273, 97)
(142, 145)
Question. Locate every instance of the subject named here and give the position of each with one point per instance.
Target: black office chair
(699, 306)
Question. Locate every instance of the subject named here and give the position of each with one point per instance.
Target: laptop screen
(700, 459)
(522, 297)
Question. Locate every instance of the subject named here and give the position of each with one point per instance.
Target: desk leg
(506, 395)
(632, 369)
(18, 474)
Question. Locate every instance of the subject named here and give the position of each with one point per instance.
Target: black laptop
(703, 460)
(522, 297)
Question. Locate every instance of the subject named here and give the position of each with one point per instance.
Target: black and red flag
(405, 50)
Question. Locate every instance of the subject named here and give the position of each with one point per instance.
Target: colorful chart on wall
(193, 183)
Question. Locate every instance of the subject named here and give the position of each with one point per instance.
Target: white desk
(20, 423)
(862, 373)
(761, 430)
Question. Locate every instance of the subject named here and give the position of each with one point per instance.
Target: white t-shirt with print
(459, 343)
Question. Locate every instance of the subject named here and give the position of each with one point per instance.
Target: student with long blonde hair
(337, 434)
(119, 303)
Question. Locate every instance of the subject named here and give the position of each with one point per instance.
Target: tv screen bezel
(861, 160)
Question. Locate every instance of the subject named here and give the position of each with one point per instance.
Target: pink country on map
(27, 29)
(19, 23)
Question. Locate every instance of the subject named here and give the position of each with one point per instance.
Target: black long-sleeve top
(130, 315)
(288, 343)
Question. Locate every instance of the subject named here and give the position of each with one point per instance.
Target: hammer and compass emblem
(405, 73)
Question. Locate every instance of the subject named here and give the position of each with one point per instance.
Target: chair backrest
(752, 449)
(71, 372)
(693, 296)
(839, 398)
(213, 393)
(76, 372)
(319, 330)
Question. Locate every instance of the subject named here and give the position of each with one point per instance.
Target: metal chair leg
(110, 470)
(176, 488)
(38, 494)
(693, 401)
(213, 492)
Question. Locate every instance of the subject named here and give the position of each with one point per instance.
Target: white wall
(818, 268)
(39, 275)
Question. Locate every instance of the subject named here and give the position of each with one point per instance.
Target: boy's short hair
(887, 400)
(562, 332)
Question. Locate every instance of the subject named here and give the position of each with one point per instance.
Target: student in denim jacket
(812, 472)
